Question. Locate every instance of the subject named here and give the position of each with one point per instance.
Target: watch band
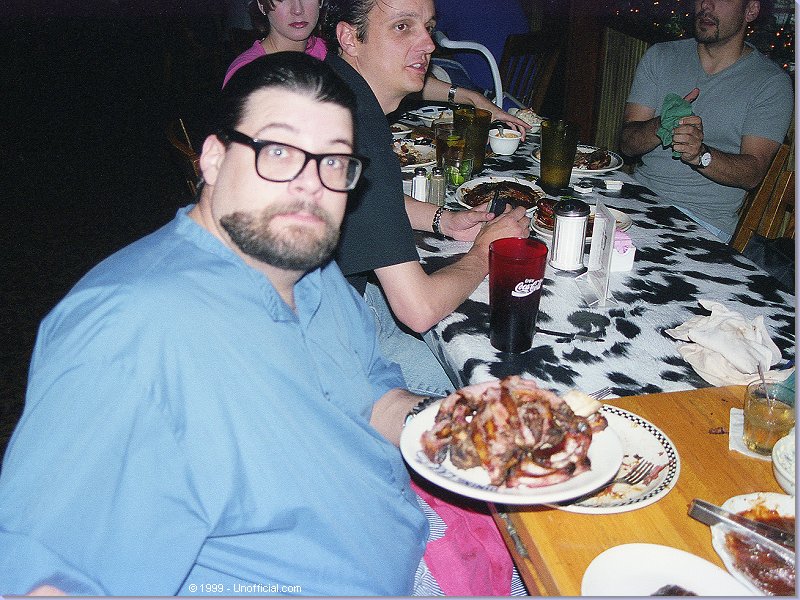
(419, 407)
(451, 95)
(437, 218)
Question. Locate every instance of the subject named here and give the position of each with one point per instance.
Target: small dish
(429, 114)
(400, 131)
(505, 144)
(783, 462)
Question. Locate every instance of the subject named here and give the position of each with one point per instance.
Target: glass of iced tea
(449, 141)
(768, 415)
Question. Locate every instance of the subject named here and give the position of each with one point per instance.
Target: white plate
(616, 160)
(640, 439)
(605, 453)
(468, 185)
(624, 223)
(400, 131)
(426, 153)
(641, 569)
(781, 503)
(428, 114)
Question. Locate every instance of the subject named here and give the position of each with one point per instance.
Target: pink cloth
(471, 559)
(314, 47)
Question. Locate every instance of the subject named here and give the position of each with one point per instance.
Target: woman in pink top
(286, 25)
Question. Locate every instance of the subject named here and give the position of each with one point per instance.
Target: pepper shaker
(569, 235)
(437, 189)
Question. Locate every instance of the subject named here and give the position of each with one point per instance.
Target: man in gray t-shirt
(742, 104)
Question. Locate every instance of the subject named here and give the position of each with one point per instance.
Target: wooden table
(553, 548)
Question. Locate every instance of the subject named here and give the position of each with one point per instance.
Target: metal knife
(594, 337)
(770, 537)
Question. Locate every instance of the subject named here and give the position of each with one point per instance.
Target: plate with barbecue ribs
(515, 191)
(589, 159)
(511, 441)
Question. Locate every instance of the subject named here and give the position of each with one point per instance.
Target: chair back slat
(767, 204)
(188, 160)
(526, 67)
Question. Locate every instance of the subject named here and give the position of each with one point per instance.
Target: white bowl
(783, 454)
(506, 145)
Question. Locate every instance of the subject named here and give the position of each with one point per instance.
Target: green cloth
(672, 111)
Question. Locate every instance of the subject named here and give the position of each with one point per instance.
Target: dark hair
(259, 20)
(354, 12)
(293, 71)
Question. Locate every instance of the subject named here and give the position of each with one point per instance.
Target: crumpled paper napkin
(673, 110)
(726, 349)
(736, 436)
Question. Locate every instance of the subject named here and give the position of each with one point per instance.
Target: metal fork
(601, 393)
(637, 474)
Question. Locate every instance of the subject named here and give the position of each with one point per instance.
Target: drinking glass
(474, 123)
(449, 141)
(516, 272)
(457, 170)
(768, 415)
(559, 145)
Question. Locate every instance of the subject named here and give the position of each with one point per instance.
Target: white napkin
(726, 348)
(736, 435)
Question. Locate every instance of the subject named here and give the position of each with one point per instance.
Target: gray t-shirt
(752, 97)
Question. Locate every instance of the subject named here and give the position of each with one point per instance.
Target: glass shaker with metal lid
(569, 234)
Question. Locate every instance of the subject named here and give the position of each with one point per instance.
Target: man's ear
(752, 10)
(347, 36)
(211, 158)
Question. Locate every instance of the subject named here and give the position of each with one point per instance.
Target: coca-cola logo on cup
(526, 288)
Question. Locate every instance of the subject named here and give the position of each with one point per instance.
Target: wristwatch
(419, 407)
(451, 95)
(705, 157)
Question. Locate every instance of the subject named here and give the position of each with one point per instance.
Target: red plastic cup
(516, 271)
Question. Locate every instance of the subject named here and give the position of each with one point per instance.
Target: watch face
(705, 159)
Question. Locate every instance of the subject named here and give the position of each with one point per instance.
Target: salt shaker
(569, 234)
(436, 191)
(419, 184)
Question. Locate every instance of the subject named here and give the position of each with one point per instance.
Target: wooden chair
(769, 210)
(527, 66)
(188, 160)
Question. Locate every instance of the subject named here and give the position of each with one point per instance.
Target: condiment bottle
(419, 184)
(437, 188)
(569, 234)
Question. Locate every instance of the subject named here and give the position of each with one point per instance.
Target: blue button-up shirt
(186, 432)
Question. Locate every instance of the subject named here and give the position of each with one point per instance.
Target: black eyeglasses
(276, 161)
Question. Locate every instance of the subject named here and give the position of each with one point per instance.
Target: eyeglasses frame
(232, 135)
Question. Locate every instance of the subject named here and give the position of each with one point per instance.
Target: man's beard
(294, 248)
(706, 37)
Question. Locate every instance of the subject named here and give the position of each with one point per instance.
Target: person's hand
(465, 225)
(498, 114)
(687, 137)
(512, 223)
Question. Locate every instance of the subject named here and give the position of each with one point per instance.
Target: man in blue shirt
(208, 411)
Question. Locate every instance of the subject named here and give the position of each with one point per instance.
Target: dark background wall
(84, 98)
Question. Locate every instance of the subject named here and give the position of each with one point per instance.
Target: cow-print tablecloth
(676, 264)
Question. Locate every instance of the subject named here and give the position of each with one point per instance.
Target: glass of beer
(516, 272)
(559, 145)
(768, 415)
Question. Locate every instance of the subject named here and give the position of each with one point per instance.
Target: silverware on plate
(772, 538)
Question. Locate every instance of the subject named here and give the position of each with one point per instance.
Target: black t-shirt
(376, 231)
